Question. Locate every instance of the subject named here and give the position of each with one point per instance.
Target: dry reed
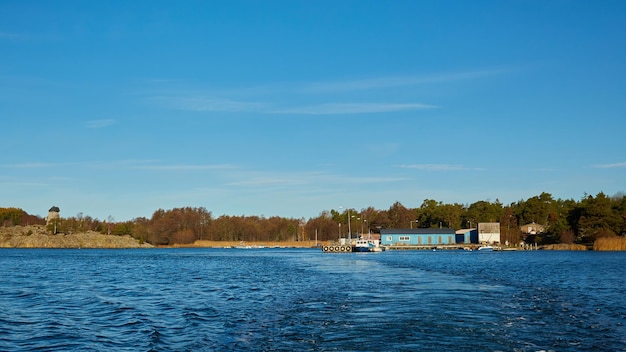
(565, 247)
(610, 244)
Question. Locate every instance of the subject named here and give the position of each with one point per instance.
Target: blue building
(417, 237)
(467, 236)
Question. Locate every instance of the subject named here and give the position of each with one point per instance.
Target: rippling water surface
(303, 299)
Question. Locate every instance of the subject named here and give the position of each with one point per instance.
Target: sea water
(306, 300)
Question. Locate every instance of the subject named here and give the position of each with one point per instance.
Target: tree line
(564, 221)
(17, 216)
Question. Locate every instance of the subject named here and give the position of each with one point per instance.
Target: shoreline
(246, 244)
(36, 236)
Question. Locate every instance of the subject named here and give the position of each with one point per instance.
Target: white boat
(485, 248)
(367, 245)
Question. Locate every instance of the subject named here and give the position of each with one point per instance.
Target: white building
(489, 232)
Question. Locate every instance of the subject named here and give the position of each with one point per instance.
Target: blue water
(306, 300)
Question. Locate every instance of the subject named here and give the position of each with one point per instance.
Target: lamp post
(349, 229)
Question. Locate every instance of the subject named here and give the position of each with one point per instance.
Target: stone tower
(53, 213)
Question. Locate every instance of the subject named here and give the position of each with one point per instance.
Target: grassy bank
(254, 244)
(610, 244)
(36, 236)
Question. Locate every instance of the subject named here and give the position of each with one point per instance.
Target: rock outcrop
(38, 237)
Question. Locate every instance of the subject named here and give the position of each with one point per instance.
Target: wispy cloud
(247, 178)
(32, 165)
(364, 180)
(351, 108)
(383, 149)
(162, 80)
(610, 166)
(12, 185)
(7, 35)
(209, 104)
(269, 181)
(255, 179)
(435, 167)
(122, 164)
(243, 99)
(186, 167)
(398, 81)
(100, 123)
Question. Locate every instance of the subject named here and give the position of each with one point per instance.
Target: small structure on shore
(466, 236)
(53, 214)
(533, 228)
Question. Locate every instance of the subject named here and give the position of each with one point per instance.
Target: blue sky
(289, 108)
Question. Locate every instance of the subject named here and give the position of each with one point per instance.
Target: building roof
(532, 228)
(55, 208)
(533, 224)
(420, 231)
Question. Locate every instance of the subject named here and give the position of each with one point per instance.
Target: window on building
(389, 238)
(405, 238)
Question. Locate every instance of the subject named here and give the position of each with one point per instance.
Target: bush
(610, 244)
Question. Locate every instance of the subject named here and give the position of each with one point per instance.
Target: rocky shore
(37, 236)
(565, 247)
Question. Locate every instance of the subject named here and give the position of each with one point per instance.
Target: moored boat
(367, 245)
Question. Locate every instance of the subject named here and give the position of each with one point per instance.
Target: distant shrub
(610, 244)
